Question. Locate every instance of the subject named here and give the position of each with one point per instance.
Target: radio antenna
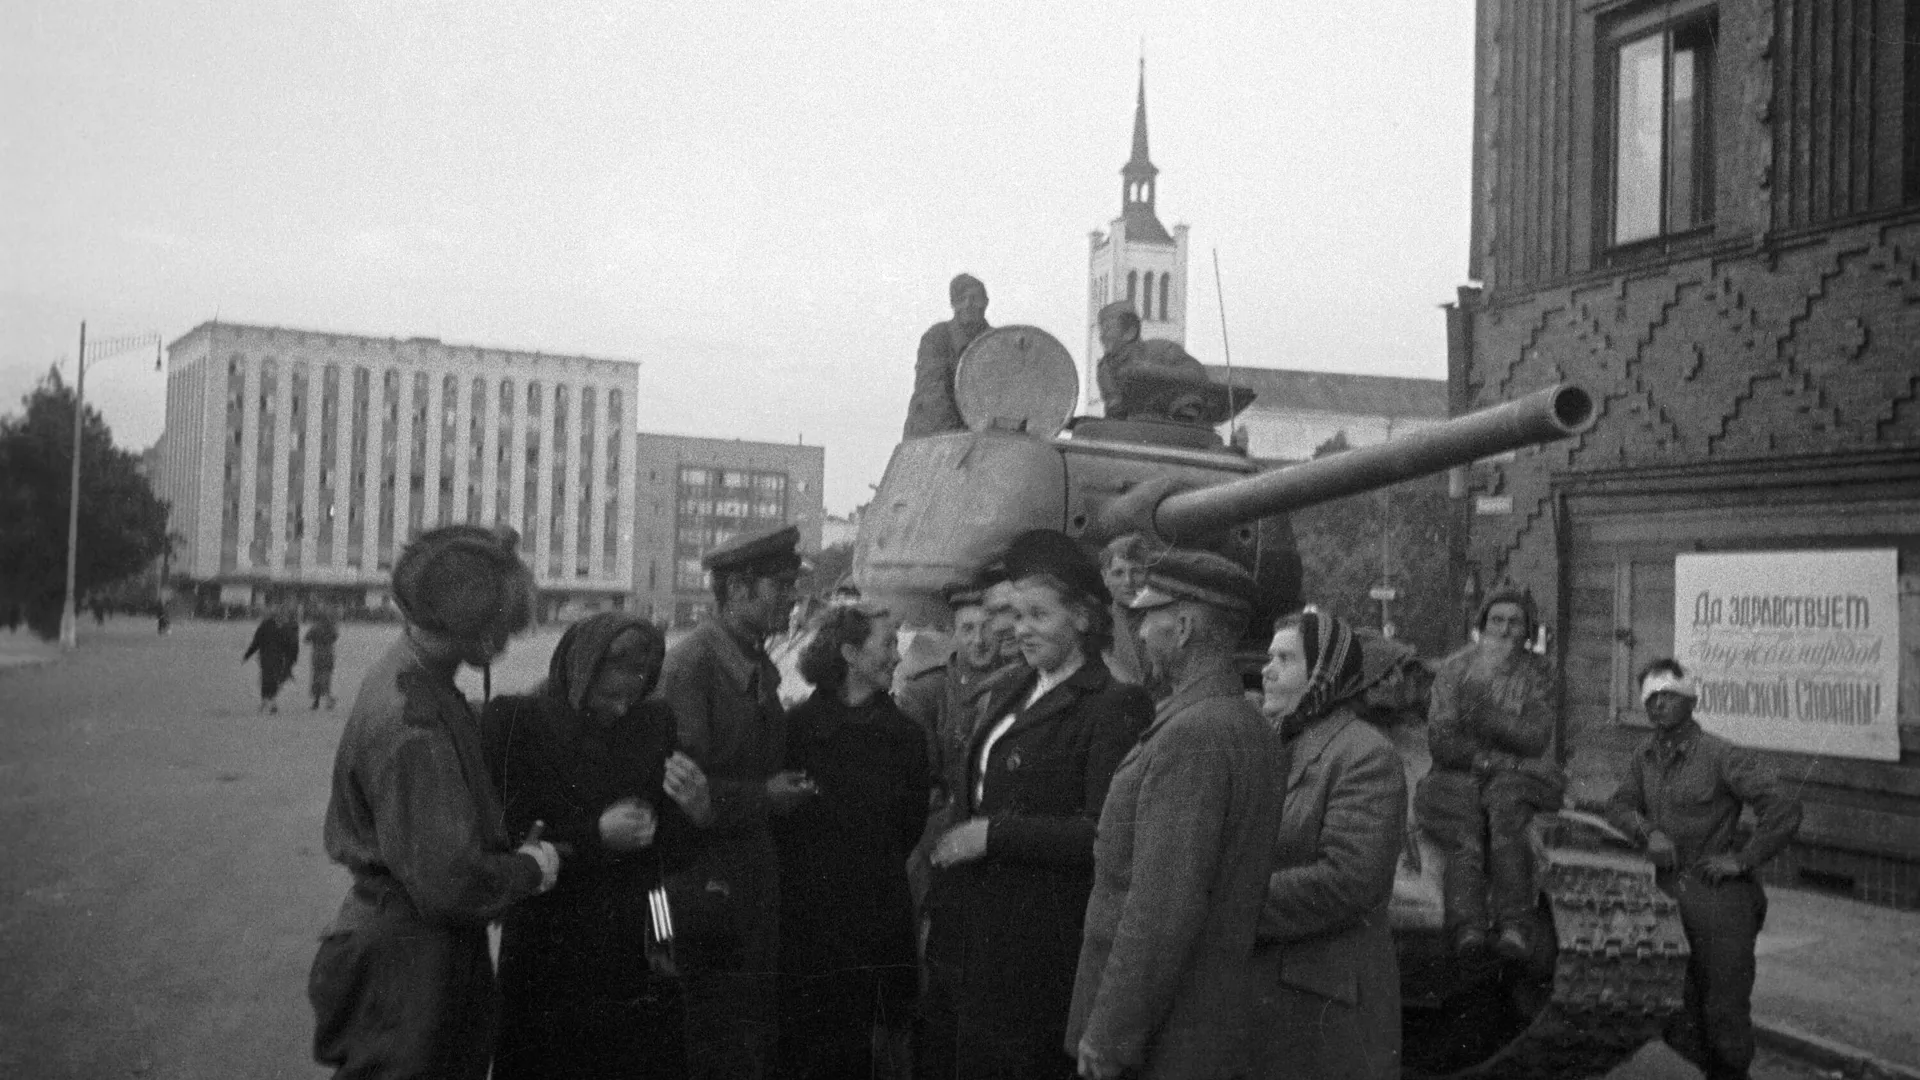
(1226, 347)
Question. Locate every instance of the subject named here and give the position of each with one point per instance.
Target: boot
(1512, 943)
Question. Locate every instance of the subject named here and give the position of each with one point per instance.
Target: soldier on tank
(724, 691)
(932, 410)
(1490, 730)
(1682, 798)
(1127, 354)
(402, 985)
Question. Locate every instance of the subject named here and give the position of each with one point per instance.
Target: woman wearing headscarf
(322, 635)
(277, 640)
(847, 961)
(591, 762)
(1330, 983)
(1010, 897)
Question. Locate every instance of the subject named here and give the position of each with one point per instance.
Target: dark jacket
(1011, 921)
(844, 903)
(1166, 983)
(1693, 788)
(932, 410)
(728, 709)
(1331, 984)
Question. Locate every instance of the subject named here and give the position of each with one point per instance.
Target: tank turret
(950, 502)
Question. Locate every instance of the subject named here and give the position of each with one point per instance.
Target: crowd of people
(1073, 845)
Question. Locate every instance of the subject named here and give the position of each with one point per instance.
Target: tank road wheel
(1609, 968)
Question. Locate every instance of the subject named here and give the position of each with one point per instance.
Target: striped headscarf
(1332, 656)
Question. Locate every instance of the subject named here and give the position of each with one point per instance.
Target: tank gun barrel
(1544, 416)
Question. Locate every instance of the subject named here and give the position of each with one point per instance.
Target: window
(1163, 296)
(1662, 144)
(1133, 285)
(1146, 296)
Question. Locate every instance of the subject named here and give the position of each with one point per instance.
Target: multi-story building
(299, 463)
(1708, 213)
(695, 494)
(1296, 412)
(1136, 259)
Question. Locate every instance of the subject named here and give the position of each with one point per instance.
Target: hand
(628, 825)
(1660, 850)
(543, 853)
(1721, 867)
(686, 785)
(964, 842)
(789, 789)
(1093, 1065)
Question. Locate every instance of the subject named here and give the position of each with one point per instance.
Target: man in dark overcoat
(723, 689)
(1185, 844)
(932, 410)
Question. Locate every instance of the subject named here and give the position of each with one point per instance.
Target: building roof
(326, 337)
(1338, 392)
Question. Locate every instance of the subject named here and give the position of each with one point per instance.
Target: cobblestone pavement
(163, 881)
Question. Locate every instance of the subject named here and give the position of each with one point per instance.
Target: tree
(123, 525)
(1340, 557)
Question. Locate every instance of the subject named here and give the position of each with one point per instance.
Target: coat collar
(1215, 680)
(732, 659)
(1313, 741)
(1009, 696)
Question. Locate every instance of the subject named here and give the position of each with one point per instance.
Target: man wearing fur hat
(932, 409)
(1682, 798)
(1490, 729)
(403, 985)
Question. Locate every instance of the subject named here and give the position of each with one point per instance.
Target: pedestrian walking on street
(1490, 729)
(1166, 985)
(847, 959)
(1009, 900)
(321, 636)
(1682, 797)
(588, 989)
(402, 986)
(1331, 985)
(277, 640)
(724, 692)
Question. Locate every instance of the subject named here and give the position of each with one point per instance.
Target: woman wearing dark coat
(1330, 983)
(277, 640)
(585, 991)
(847, 962)
(1009, 896)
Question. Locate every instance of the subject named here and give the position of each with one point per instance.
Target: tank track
(1619, 968)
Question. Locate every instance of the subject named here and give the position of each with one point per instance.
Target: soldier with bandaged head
(403, 985)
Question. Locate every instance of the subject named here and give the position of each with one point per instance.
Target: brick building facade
(1708, 214)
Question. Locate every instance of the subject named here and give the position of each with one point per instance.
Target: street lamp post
(69, 623)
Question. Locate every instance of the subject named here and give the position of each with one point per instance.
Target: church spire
(1139, 158)
(1137, 177)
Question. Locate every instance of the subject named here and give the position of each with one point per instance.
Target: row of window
(1141, 295)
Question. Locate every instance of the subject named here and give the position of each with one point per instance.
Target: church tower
(1135, 259)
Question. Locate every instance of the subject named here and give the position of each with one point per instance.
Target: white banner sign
(1793, 650)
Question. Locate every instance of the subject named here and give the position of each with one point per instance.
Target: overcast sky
(761, 203)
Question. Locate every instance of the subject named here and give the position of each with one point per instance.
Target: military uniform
(1692, 787)
(724, 692)
(402, 985)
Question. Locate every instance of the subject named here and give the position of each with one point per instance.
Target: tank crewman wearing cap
(403, 985)
(932, 410)
(1682, 797)
(940, 697)
(1490, 730)
(1127, 352)
(724, 691)
(1165, 986)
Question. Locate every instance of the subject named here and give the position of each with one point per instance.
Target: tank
(1610, 956)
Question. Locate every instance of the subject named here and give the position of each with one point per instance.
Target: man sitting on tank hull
(932, 410)
(1490, 730)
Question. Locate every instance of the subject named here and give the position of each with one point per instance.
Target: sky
(760, 203)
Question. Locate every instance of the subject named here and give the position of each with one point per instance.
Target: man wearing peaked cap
(1165, 986)
(723, 689)
(771, 554)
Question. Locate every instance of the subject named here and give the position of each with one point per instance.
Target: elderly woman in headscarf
(588, 760)
(1330, 983)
